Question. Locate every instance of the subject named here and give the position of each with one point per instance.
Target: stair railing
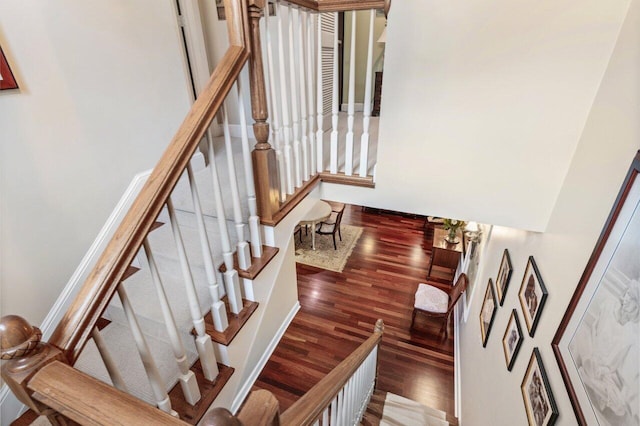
(340, 398)
(303, 87)
(34, 369)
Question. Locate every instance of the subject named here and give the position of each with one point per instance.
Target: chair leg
(335, 247)
(339, 233)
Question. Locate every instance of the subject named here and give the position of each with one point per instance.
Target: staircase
(196, 309)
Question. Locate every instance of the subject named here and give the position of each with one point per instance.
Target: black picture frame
(533, 295)
(504, 276)
(488, 312)
(512, 339)
(539, 402)
(596, 342)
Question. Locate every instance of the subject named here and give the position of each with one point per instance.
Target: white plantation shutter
(327, 24)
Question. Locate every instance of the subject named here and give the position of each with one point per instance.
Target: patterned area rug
(325, 256)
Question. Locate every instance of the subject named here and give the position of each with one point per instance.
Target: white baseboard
(246, 388)
(457, 378)
(11, 408)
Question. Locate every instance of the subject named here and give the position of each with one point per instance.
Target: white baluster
(187, 378)
(218, 310)
(334, 411)
(310, 92)
(109, 363)
(155, 380)
(242, 248)
(284, 98)
(366, 114)
(319, 98)
(333, 161)
(325, 416)
(203, 340)
(231, 281)
(254, 220)
(348, 154)
(293, 80)
(304, 139)
(276, 126)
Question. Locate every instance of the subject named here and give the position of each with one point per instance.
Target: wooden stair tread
(235, 322)
(209, 391)
(257, 263)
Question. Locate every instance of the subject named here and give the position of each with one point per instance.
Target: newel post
(265, 172)
(23, 355)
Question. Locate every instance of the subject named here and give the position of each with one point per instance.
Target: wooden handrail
(307, 409)
(74, 329)
(88, 401)
(340, 5)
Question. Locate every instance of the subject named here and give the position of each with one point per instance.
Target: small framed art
(488, 312)
(7, 80)
(533, 295)
(504, 276)
(512, 339)
(538, 399)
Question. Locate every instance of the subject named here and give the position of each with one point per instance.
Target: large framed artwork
(7, 80)
(487, 312)
(533, 295)
(538, 399)
(504, 275)
(597, 342)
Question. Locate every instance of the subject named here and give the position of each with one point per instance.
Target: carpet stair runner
(141, 290)
(400, 411)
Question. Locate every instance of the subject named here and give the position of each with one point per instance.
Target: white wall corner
(248, 384)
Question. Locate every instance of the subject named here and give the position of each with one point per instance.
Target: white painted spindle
(218, 310)
(319, 98)
(366, 114)
(334, 410)
(284, 98)
(325, 416)
(254, 220)
(348, 154)
(109, 363)
(231, 281)
(293, 83)
(203, 340)
(155, 380)
(274, 110)
(187, 378)
(310, 91)
(302, 89)
(335, 108)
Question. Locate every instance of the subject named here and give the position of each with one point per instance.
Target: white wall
(609, 141)
(102, 90)
(483, 104)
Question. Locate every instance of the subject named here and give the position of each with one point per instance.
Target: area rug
(325, 256)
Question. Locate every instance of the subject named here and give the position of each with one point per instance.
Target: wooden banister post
(265, 172)
(24, 355)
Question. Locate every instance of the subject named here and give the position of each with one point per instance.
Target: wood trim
(341, 178)
(75, 327)
(261, 409)
(236, 322)
(89, 401)
(340, 5)
(257, 263)
(310, 406)
(292, 201)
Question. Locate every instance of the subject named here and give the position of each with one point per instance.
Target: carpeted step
(406, 412)
(373, 414)
(124, 351)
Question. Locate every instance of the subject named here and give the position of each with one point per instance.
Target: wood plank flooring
(338, 312)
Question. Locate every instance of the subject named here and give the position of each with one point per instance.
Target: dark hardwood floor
(338, 312)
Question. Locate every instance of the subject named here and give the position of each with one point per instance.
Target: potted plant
(452, 226)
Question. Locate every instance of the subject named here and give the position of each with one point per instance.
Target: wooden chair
(437, 303)
(331, 226)
(298, 230)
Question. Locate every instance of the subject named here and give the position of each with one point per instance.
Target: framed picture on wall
(533, 295)
(512, 339)
(7, 80)
(538, 400)
(597, 342)
(488, 312)
(504, 276)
